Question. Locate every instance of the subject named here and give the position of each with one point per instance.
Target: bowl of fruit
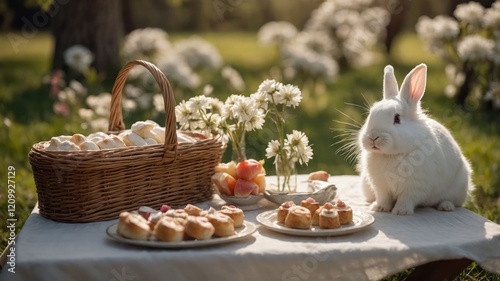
(240, 183)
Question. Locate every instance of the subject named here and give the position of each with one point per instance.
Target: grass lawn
(26, 115)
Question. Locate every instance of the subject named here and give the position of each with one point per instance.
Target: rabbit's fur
(408, 159)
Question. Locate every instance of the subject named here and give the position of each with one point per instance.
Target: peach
(248, 169)
(244, 188)
(229, 168)
(319, 175)
(260, 180)
(225, 183)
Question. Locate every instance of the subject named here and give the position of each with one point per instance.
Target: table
(48, 250)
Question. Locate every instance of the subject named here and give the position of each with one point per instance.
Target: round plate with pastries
(242, 232)
(360, 220)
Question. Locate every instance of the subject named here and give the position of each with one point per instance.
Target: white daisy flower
(244, 109)
(260, 100)
(297, 139)
(256, 122)
(268, 86)
(195, 104)
(289, 95)
(182, 114)
(273, 149)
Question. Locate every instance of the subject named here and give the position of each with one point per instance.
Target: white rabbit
(408, 159)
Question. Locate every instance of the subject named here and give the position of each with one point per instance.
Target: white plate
(242, 232)
(360, 221)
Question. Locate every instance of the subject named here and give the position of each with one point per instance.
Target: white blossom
(78, 58)
(276, 33)
(178, 71)
(491, 18)
(147, 43)
(289, 95)
(471, 13)
(182, 114)
(233, 77)
(273, 148)
(198, 53)
(475, 47)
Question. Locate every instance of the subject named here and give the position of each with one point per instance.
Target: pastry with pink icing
(310, 204)
(344, 211)
(329, 217)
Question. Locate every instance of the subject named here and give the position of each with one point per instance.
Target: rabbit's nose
(374, 139)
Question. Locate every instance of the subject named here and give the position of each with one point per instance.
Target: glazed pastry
(234, 213)
(345, 212)
(283, 211)
(315, 216)
(107, 143)
(64, 138)
(192, 210)
(150, 141)
(329, 218)
(67, 146)
(97, 135)
(160, 132)
(133, 139)
(152, 123)
(177, 213)
(78, 139)
(199, 228)
(89, 145)
(310, 204)
(53, 144)
(298, 217)
(152, 135)
(169, 230)
(224, 225)
(133, 226)
(141, 128)
(119, 141)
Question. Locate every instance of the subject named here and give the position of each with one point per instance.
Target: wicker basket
(89, 186)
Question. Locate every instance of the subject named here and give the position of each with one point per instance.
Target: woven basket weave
(89, 186)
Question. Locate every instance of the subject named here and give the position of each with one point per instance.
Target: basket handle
(116, 116)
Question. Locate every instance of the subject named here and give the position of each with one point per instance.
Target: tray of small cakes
(188, 227)
(309, 218)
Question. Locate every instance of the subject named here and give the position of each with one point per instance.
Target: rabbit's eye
(397, 119)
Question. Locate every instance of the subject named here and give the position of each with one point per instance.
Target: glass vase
(286, 174)
(238, 148)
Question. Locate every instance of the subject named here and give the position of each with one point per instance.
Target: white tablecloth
(47, 250)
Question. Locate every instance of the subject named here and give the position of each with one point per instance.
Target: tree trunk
(95, 24)
(399, 11)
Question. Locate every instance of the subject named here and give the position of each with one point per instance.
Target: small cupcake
(344, 211)
(328, 217)
(310, 204)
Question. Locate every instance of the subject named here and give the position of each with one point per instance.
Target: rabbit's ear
(390, 83)
(413, 87)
